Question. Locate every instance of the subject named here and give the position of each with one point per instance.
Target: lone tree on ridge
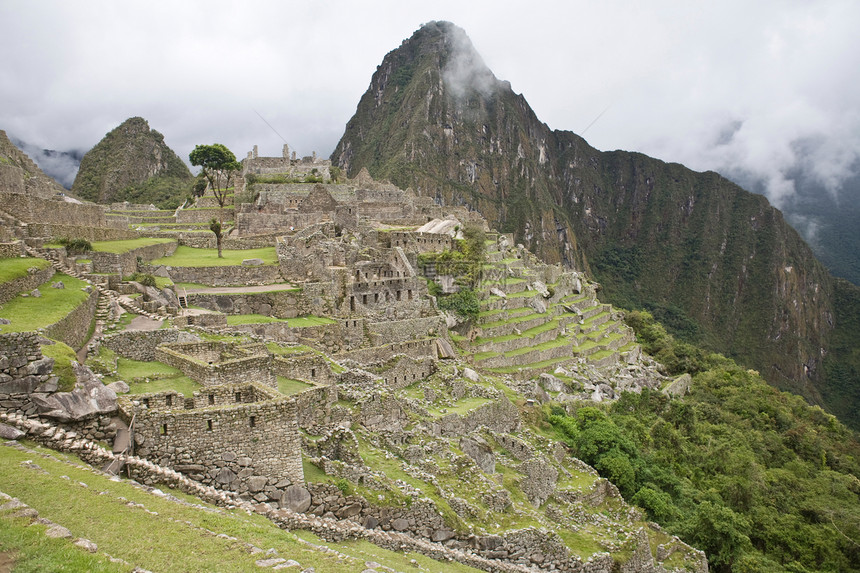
(219, 166)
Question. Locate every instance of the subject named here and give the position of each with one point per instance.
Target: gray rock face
(471, 375)
(90, 397)
(550, 383)
(480, 451)
(252, 262)
(540, 479)
(296, 498)
(119, 387)
(10, 433)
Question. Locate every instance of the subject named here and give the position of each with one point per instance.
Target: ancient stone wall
(313, 406)
(39, 210)
(309, 367)
(219, 276)
(251, 448)
(74, 328)
(23, 370)
(204, 215)
(11, 250)
(207, 241)
(396, 331)
(141, 344)
(414, 242)
(280, 304)
(401, 371)
(13, 288)
(109, 232)
(417, 349)
(126, 263)
(215, 363)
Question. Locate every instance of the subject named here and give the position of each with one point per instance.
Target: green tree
(219, 166)
(215, 227)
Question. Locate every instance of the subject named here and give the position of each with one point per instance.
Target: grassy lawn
(288, 386)
(237, 319)
(191, 257)
(30, 313)
(120, 247)
(63, 356)
(11, 269)
(207, 539)
(161, 377)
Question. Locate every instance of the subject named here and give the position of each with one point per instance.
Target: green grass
(100, 512)
(30, 313)
(288, 386)
(237, 319)
(11, 269)
(161, 377)
(120, 247)
(191, 257)
(63, 356)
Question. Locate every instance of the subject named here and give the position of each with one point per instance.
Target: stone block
(296, 498)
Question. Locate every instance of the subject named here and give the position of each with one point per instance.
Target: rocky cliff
(715, 262)
(132, 163)
(19, 174)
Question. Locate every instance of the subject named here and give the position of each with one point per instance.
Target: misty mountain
(718, 264)
(828, 218)
(60, 165)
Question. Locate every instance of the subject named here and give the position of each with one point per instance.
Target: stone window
(252, 421)
(313, 372)
(209, 425)
(238, 397)
(352, 303)
(163, 429)
(168, 400)
(364, 299)
(146, 402)
(211, 399)
(398, 295)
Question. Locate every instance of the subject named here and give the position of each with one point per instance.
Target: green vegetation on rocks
(133, 163)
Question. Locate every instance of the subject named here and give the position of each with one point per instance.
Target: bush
(76, 246)
(464, 302)
(144, 279)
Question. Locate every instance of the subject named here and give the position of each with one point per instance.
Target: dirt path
(144, 323)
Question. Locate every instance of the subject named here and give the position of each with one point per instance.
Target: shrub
(144, 279)
(76, 246)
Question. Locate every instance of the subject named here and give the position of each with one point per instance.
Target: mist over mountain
(717, 263)
(61, 165)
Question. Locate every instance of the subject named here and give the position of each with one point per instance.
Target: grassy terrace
(191, 257)
(31, 313)
(120, 247)
(11, 269)
(201, 536)
(299, 322)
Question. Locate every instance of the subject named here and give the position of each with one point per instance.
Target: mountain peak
(132, 163)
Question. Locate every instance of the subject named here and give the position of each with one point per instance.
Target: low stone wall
(418, 349)
(112, 230)
(184, 216)
(75, 327)
(23, 370)
(220, 276)
(13, 288)
(207, 241)
(126, 263)
(498, 416)
(141, 344)
(394, 331)
(279, 304)
(313, 406)
(308, 367)
(246, 367)
(11, 250)
(414, 242)
(31, 209)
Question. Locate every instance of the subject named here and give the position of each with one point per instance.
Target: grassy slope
(191, 257)
(31, 313)
(154, 532)
(11, 269)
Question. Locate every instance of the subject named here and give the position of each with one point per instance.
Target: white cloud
(759, 88)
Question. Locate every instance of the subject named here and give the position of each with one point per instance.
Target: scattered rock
(252, 262)
(119, 387)
(471, 375)
(86, 545)
(296, 498)
(10, 433)
(35, 293)
(58, 285)
(58, 532)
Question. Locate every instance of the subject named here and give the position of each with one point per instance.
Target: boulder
(58, 285)
(35, 293)
(90, 397)
(471, 375)
(550, 383)
(498, 292)
(541, 288)
(119, 387)
(480, 451)
(10, 433)
(252, 262)
(296, 498)
(257, 483)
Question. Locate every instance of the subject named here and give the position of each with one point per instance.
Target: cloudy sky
(752, 88)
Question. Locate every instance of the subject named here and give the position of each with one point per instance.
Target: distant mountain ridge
(132, 163)
(716, 263)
